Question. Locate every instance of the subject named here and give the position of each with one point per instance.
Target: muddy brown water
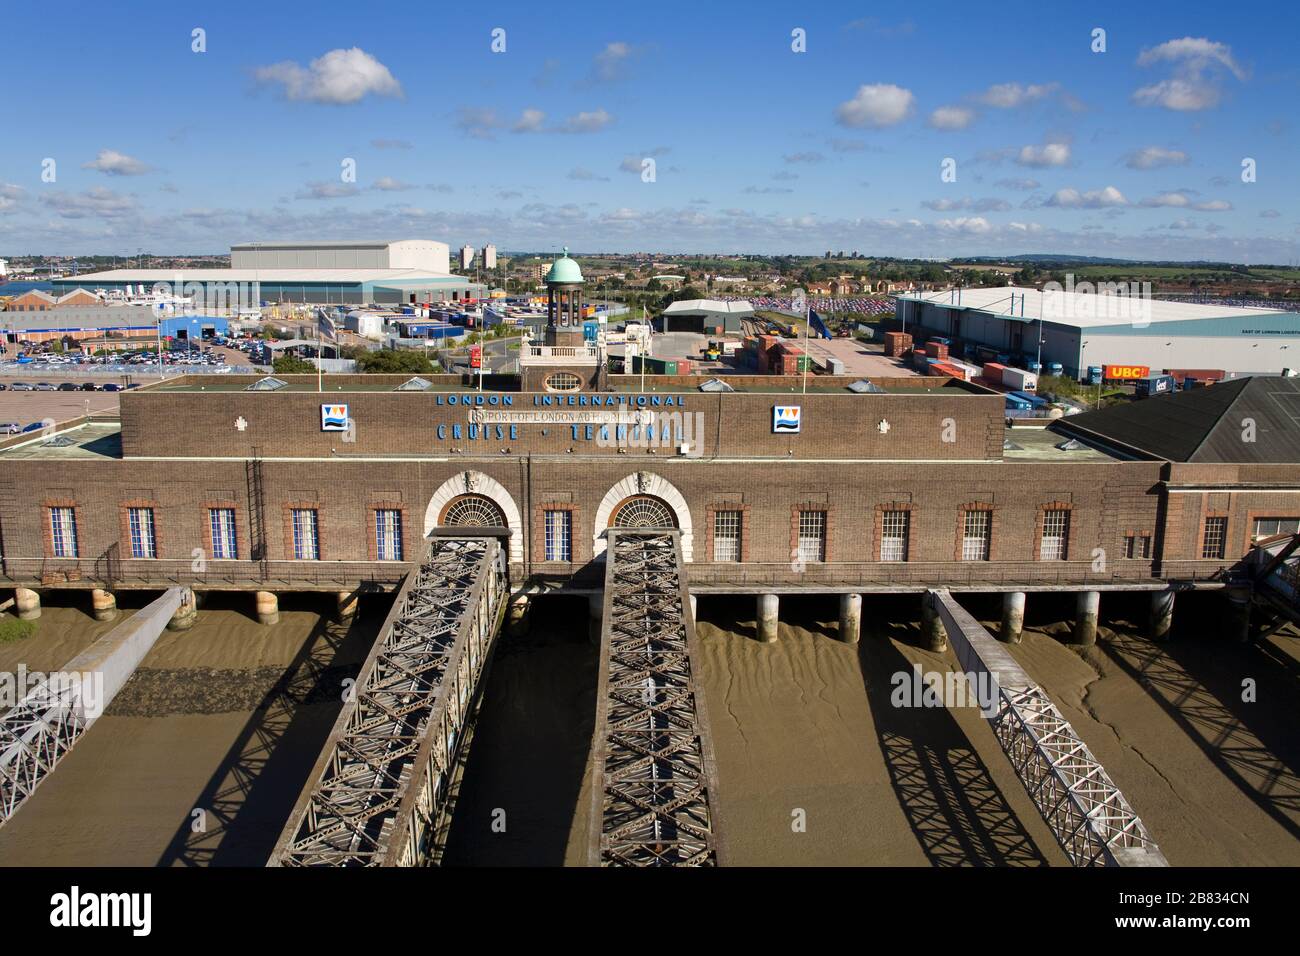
(815, 765)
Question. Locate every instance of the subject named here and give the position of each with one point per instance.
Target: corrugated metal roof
(708, 305)
(1243, 421)
(176, 276)
(1080, 310)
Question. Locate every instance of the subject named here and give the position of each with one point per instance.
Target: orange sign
(1126, 371)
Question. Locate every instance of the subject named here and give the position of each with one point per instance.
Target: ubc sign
(785, 419)
(1125, 371)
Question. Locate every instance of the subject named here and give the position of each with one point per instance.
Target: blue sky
(1136, 151)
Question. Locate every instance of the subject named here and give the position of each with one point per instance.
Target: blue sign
(785, 419)
(333, 418)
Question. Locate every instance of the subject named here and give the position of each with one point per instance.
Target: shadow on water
(521, 798)
(954, 808)
(1197, 678)
(251, 794)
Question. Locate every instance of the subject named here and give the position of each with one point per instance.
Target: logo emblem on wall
(333, 418)
(785, 419)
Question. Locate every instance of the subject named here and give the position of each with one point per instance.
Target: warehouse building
(1090, 330)
(338, 273)
(706, 316)
(97, 322)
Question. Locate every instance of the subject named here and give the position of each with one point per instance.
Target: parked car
(68, 387)
(112, 387)
(33, 427)
(43, 387)
(10, 428)
(21, 387)
(90, 386)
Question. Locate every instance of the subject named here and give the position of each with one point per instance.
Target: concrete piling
(768, 614)
(694, 603)
(1013, 617)
(268, 608)
(1085, 618)
(595, 614)
(103, 604)
(850, 618)
(1161, 619)
(28, 603)
(1239, 614)
(186, 614)
(933, 634)
(519, 615)
(346, 606)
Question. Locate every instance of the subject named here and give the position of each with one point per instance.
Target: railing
(920, 574)
(1084, 809)
(558, 355)
(655, 784)
(162, 573)
(380, 793)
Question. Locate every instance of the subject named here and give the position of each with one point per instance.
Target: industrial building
(706, 316)
(1090, 330)
(403, 271)
(95, 322)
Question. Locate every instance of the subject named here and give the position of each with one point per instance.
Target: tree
(292, 365)
(389, 360)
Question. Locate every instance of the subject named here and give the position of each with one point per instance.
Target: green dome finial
(565, 270)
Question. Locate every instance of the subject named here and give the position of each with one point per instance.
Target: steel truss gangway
(1275, 580)
(380, 794)
(41, 728)
(654, 800)
(1084, 809)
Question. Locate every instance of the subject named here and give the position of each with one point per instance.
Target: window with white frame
(221, 522)
(894, 529)
(1267, 527)
(977, 535)
(306, 534)
(726, 535)
(63, 532)
(144, 543)
(1216, 536)
(812, 536)
(1137, 546)
(558, 527)
(388, 534)
(1055, 542)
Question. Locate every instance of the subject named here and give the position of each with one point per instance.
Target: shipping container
(1154, 385)
(1019, 379)
(1033, 400)
(993, 371)
(1094, 374)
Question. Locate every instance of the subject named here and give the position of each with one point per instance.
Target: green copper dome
(564, 270)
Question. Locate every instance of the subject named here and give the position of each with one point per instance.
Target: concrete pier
(1013, 617)
(595, 614)
(346, 605)
(186, 613)
(1239, 614)
(933, 634)
(1085, 618)
(268, 608)
(850, 618)
(768, 613)
(1161, 618)
(28, 603)
(519, 615)
(103, 604)
(694, 602)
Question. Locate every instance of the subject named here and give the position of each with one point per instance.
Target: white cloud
(952, 117)
(1007, 96)
(811, 157)
(1198, 64)
(338, 77)
(328, 190)
(990, 204)
(93, 202)
(586, 175)
(611, 64)
(1155, 157)
(1021, 185)
(1179, 199)
(1049, 154)
(477, 121)
(587, 122)
(389, 184)
(976, 225)
(1070, 198)
(876, 105)
(530, 121)
(112, 163)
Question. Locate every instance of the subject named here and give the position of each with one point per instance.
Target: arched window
(644, 511)
(477, 511)
(563, 382)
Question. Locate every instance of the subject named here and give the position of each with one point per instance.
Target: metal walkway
(655, 788)
(1275, 573)
(1082, 806)
(379, 794)
(38, 731)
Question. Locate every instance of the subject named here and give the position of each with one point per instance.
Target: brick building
(921, 485)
